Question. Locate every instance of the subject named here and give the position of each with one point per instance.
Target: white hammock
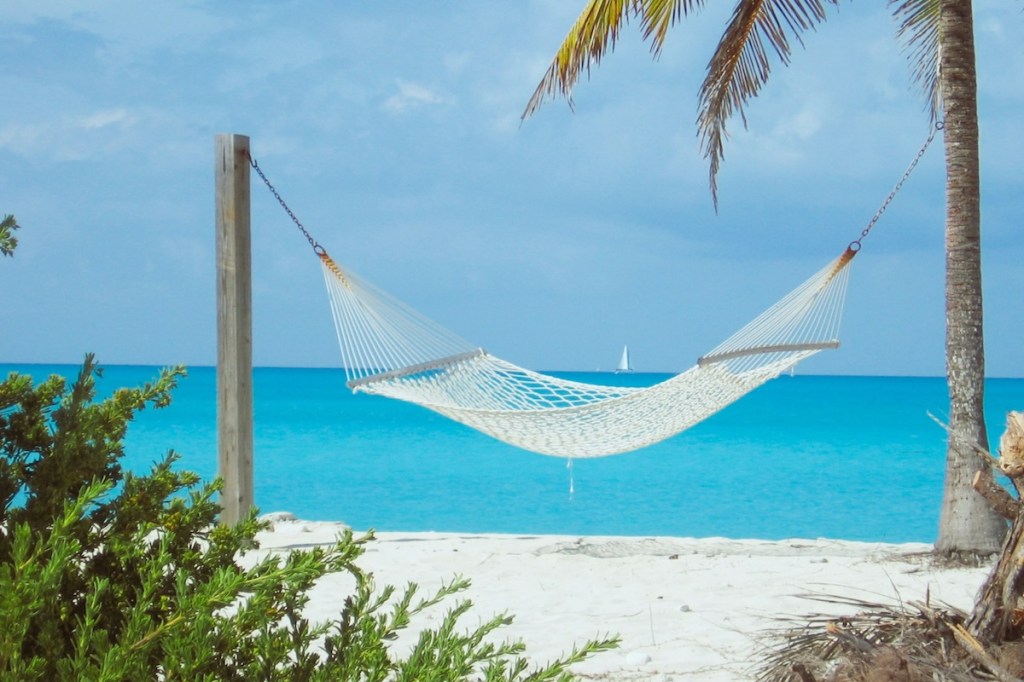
(389, 349)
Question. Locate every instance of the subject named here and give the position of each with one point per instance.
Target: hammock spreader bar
(760, 350)
(415, 369)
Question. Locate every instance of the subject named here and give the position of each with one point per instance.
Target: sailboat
(624, 365)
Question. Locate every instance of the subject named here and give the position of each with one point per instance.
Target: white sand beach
(686, 609)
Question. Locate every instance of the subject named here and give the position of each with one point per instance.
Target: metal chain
(855, 244)
(317, 249)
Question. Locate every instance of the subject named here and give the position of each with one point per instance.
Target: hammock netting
(391, 350)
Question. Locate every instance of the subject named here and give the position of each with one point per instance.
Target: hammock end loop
(852, 250)
(333, 267)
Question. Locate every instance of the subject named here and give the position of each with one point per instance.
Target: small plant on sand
(105, 574)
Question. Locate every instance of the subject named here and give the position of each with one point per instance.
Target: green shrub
(109, 575)
(8, 242)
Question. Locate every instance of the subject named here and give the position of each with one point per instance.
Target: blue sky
(393, 131)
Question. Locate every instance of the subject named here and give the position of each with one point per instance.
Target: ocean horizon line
(610, 370)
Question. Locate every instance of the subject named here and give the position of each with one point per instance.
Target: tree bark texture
(997, 496)
(968, 523)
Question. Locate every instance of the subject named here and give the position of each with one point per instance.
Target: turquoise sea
(855, 458)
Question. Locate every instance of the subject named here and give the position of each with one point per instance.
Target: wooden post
(234, 327)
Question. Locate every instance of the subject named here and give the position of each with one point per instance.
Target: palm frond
(657, 16)
(919, 32)
(881, 640)
(741, 65)
(595, 32)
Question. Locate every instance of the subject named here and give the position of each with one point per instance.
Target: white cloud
(411, 95)
(802, 126)
(67, 137)
(107, 118)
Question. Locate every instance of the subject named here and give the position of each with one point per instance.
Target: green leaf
(8, 242)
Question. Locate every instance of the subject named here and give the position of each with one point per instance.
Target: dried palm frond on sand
(918, 642)
(896, 642)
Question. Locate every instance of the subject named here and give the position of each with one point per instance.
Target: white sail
(624, 364)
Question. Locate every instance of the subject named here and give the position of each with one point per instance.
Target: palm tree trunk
(967, 522)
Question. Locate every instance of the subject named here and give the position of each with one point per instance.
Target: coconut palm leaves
(741, 65)
(738, 69)
(595, 33)
(919, 31)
